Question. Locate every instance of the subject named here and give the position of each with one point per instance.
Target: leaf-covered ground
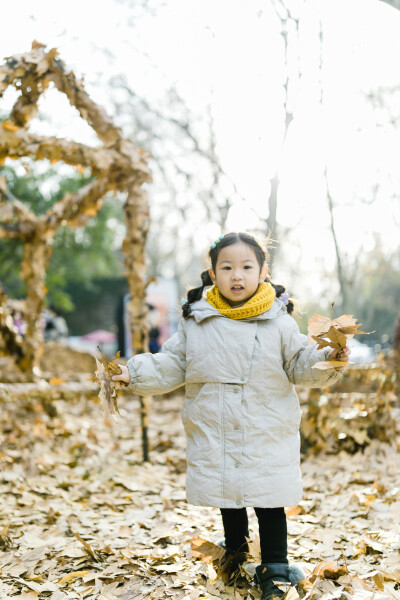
(82, 517)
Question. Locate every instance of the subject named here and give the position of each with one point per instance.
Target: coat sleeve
(299, 358)
(162, 372)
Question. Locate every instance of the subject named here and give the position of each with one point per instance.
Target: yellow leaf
(378, 580)
(331, 364)
(56, 381)
(294, 511)
(8, 126)
(91, 211)
(36, 44)
(72, 576)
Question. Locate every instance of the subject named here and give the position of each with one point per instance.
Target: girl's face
(237, 273)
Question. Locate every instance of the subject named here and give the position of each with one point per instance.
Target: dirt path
(81, 517)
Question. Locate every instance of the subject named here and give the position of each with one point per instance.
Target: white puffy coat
(241, 413)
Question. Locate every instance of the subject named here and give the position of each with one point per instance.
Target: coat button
(238, 502)
(242, 379)
(237, 465)
(236, 427)
(235, 391)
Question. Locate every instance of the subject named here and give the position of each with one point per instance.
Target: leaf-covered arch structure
(117, 165)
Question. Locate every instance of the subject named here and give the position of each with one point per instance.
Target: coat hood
(202, 310)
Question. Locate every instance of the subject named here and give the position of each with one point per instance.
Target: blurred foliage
(376, 293)
(79, 255)
(374, 298)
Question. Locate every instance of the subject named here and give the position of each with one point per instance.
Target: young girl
(239, 354)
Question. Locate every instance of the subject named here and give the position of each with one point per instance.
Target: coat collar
(202, 310)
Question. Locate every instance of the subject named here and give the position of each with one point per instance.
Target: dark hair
(227, 240)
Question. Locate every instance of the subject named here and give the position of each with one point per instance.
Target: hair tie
(284, 298)
(221, 237)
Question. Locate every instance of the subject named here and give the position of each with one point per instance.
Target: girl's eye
(248, 267)
(225, 268)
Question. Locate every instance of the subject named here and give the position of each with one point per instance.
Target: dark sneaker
(269, 575)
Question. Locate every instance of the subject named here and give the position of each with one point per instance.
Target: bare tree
(394, 3)
(289, 31)
(191, 188)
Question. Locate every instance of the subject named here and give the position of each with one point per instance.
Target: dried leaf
(93, 553)
(72, 576)
(328, 570)
(336, 337)
(321, 342)
(206, 551)
(332, 333)
(378, 580)
(108, 392)
(331, 364)
(8, 126)
(56, 381)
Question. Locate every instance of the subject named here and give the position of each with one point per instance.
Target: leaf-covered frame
(118, 165)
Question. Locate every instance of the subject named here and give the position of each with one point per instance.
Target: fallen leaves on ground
(82, 517)
(350, 415)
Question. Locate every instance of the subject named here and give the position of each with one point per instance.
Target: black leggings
(273, 532)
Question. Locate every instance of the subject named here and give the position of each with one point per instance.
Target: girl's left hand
(342, 355)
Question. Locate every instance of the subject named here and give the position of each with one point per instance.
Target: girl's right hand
(124, 376)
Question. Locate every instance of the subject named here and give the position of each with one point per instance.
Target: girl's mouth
(237, 288)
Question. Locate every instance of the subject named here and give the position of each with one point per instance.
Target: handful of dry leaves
(333, 333)
(108, 387)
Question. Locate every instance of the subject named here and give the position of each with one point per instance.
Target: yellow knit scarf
(256, 305)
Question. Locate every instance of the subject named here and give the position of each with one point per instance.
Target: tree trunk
(394, 3)
(11, 339)
(339, 264)
(33, 271)
(137, 220)
(271, 221)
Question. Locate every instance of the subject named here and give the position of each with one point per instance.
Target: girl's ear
(212, 275)
(263, 274)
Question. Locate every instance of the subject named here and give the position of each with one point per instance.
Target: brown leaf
(108, 393)
(321, 342)
(206, 551)
(93, 553)
(378, 580)
(328, 570)
(352, 330)
(338, 338)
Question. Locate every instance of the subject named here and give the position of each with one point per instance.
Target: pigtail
(196, 294)
(284, 296)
